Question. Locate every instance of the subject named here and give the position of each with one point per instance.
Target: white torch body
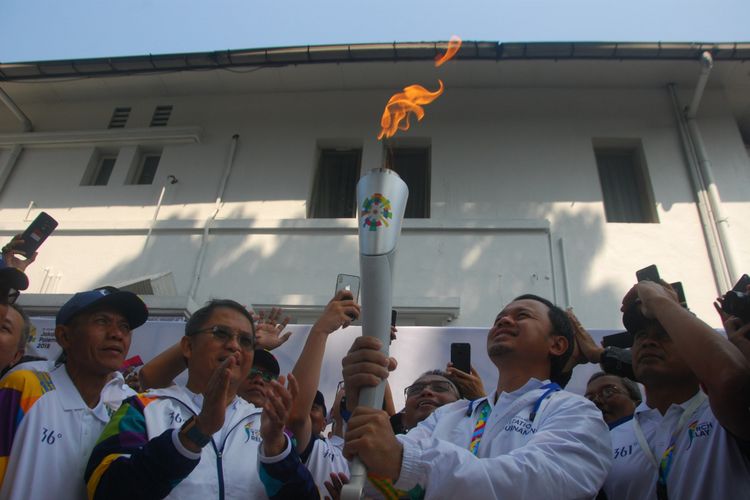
(381, 198)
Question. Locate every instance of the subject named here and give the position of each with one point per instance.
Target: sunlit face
(428, 393)
(11, 328)
(523, 330)
(95, 342)
(655, 358)
(611, 397)
(205, 352)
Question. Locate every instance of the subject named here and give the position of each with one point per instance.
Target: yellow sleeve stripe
(96, 476)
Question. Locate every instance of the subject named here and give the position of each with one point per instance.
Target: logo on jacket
(699, 429)
(520, 425)
(251, 433)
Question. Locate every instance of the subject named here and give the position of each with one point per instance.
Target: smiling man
(50, 421)
(198, 441)
(528, 439)
(681, 443)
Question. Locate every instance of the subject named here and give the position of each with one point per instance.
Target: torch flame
(396, 114)
(453, 45)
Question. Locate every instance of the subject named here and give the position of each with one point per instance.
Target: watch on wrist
(190, 431)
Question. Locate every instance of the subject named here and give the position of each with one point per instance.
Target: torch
(381, 198)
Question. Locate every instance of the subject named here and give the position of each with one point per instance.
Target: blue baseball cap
(126, 303)
(10, 277)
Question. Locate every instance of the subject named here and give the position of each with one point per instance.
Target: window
(119, 117)
(413, 165)
(625, 186)
(147, 169)
(100, 169)
(161, 116)
(334, 188)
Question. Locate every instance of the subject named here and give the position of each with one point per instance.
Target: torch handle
(377, 275)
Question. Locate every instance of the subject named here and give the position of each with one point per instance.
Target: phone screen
(461, 356)
(650, 273)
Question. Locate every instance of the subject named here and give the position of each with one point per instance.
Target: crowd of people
(665, 418)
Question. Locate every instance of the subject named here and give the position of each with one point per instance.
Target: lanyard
(484, 413)
(665, 464)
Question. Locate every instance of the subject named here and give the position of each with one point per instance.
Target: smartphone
(348, 282)
(680, 293)
(650, 273)
(741, 285)
(394, 316)
(623, 339)
(461, 356)
(36, 233)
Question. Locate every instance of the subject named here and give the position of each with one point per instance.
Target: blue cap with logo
(126, 303)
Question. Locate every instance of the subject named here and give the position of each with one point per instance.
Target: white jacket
(565, 453)
(227, 467)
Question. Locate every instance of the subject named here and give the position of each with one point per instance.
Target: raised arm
(339, 312)
(718, 364)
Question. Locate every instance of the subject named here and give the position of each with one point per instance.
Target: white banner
(417, 350)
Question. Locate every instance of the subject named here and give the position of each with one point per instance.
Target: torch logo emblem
(376, 210)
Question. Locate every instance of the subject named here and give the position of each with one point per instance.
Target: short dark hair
(634, 392)
(561, 326)
(25, 328)
(199, 317)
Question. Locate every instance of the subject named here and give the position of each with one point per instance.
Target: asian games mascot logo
(376, 210)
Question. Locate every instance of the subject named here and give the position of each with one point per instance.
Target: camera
(737, 301)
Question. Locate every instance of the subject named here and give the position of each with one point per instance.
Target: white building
(506, 173)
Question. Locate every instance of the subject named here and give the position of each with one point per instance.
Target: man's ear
(62, 335)
(186, 344)
(558, 345)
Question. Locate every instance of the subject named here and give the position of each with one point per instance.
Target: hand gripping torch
(381, 198)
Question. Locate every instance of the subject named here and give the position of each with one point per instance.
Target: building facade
(555, 169)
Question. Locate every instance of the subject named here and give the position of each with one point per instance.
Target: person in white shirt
(528, 439)
(682, 443)
(197, 441)
(50, 421)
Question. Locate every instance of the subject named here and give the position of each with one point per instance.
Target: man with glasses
(51, 420)
(616, 397)
(198, 441)
(528, 439)
(682, 443)
(254, 389)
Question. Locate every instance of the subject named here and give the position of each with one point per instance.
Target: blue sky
(35, 30)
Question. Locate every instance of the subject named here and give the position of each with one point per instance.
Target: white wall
(502, 159)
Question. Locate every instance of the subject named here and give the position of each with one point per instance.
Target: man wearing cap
(681, 443)
(254, 389)
(528, 439)
(50, 420)
(198, 441)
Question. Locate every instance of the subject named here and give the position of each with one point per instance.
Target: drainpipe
(706, 171)
(10, 163)
(212, 217)
(171, 179)
(27, 126)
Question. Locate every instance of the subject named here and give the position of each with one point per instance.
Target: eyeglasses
(224, 334)
(605, 393)
(266, 376)
(12, 296)
(435, 386)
